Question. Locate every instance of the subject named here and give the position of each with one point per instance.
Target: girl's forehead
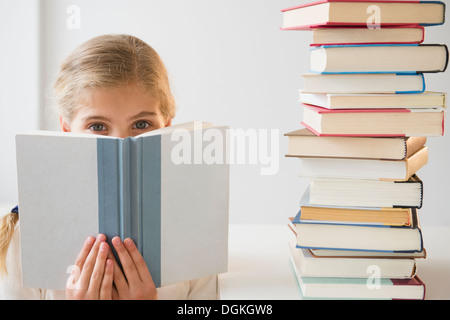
(127, 99)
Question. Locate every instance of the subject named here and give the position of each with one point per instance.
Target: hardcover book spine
(135, 187)
(151, 205)
(110, 195)
(126, 180)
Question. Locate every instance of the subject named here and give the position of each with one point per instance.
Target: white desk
(259, 266)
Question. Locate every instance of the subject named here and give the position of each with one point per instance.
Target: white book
(72, 186)
(435, 100)
(364, 83)
(369, 169)
(366, 193)
(350, 267)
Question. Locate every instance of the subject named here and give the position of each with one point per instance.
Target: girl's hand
(135, 282)
(92, 275)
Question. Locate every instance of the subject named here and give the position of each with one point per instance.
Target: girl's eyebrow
(97, 118)
(143, 114)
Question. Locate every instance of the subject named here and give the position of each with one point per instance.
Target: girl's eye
(141, 125)
(97, 127)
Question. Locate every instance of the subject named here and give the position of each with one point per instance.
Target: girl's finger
(87, 246)
(89, 264)
(120, 281)
(128, 266)
(138, 260)
(106, 288)
(98, 271)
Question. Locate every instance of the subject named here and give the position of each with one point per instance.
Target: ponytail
(7, 224)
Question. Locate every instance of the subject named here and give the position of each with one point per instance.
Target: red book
(413, 34)
(415, 281)
(370, 14)
(374, 122)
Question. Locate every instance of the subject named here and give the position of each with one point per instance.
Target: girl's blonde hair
(103, 61)
(7, 224)
(108, 61)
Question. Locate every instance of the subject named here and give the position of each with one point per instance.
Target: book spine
(135, 187)
(110, 195)
(151, 205)
(125, 191)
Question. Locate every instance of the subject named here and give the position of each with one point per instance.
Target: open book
(148, 188)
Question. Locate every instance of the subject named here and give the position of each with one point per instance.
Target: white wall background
(19, 86)
(229, 63)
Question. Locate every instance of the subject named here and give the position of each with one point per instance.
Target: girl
(113, 85)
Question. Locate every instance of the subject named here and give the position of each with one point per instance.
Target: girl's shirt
(205, 288)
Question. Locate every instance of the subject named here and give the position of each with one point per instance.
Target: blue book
(379, 58)
(163, 189)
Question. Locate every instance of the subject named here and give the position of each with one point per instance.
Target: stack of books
(366, 119)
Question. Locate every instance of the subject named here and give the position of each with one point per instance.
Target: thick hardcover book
(379, 58)
(359, 237)
(370, 169)
(363, 13)
(365, 254)
(423, 100)
(339, 214)
(366, 193)
(304, 143)
(364, 35)
(358, 288)
(148, 188)
(355, 254)
(310, 265)
(363, 83)
(374, 122)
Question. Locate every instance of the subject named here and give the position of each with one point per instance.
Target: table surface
(259, 267)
